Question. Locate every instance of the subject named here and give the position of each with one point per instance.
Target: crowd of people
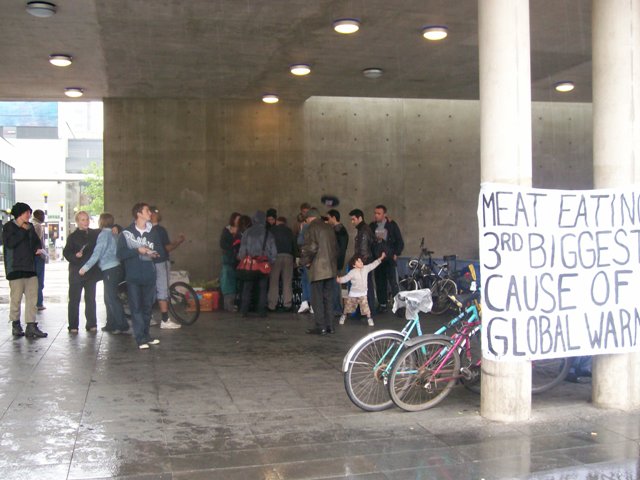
(138, 254)
(317, 245)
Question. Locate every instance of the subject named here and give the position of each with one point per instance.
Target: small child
(358, 293)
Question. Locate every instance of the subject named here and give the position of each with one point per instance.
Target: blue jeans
(141, 300)
(40, 274)
(115, 312)
(306, 286)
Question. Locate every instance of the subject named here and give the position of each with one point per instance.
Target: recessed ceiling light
(270, 98)
(73, 92)
(346, 25)
(372, 72)
(435, 32)
(60, 60)
(300, 69)
(41, 9)
(564, 86)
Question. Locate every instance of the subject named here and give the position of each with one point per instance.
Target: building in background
(44, 151)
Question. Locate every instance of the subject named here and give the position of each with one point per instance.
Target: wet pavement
(231, 398)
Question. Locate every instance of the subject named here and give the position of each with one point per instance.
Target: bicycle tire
(184, 304)
(363, 380)
(408, 284)
(440, 295)
(547, 373)
(411, 385)
(473, 364)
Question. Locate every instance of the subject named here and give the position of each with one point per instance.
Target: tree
(93, 189)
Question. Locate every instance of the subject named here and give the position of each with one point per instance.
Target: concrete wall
(200, 160)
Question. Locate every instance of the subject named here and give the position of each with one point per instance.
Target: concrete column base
(506, 391)
(616, 381)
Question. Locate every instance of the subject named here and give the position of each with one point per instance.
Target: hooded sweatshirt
(139, 268)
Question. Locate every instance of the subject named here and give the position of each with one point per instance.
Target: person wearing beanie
(20, 245)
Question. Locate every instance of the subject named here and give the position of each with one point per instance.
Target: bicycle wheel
(364, 379)
(408, 284)
(471, 374)
(413, 383)
(440, 295)
(184, 304)
(547, 373)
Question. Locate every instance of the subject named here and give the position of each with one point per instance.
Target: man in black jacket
(388, 239)
(362, 250)
(20, 245)
(287, 248)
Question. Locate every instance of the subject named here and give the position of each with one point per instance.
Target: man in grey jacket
(320, 255)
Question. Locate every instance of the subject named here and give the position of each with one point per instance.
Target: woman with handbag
(256, 255)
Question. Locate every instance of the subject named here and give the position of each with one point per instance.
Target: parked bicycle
(184, 303)
(431, 365)
(424, 272)
(367, 364)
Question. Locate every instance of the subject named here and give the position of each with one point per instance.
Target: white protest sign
(560, 271)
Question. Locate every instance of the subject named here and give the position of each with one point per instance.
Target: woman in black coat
(77, 251)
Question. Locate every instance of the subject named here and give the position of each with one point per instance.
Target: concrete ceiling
(242, 49)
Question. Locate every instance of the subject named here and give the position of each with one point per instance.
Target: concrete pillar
(505, 150)
(616, 157)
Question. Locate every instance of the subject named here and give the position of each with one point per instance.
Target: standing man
(163, 267)
(388, 239)
(319, 255)
(21, 245)
(342, 237)
(41, 260)
(362, 249)
(283, 267)
(136, 248)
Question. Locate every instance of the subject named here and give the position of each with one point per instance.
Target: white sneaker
(143, 346)
(342, 319)
(311, 310)
(170, 324)
(370, 321)
(304, 307)
(153, 322)
(153, 341)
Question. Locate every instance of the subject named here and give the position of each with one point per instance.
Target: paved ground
(230, 398)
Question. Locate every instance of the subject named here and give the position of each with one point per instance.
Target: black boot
(33, 331)
(16, 329)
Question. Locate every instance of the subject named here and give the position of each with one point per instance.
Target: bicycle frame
(406, 333)
(459, 340)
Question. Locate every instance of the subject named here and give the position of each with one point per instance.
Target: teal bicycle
(368, 362)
